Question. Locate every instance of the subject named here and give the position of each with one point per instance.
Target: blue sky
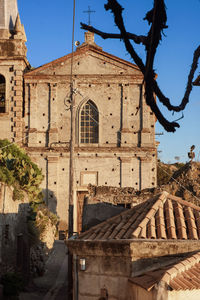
(48, 26)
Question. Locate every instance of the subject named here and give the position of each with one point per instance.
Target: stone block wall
(13, 63)
(38, 116)
(110, 263)
(99, 166)
(13, 223)
(105, 272)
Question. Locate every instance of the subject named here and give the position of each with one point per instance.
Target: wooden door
(80, 203)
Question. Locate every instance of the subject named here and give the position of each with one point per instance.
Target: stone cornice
(136, 249)
(100, 78)
(114, 150)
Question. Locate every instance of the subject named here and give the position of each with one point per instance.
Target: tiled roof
(162, 217)
(184, 275)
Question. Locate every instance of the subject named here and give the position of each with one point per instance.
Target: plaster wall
(138, 293)
(108, 273)
(182, 295)
(11, 11)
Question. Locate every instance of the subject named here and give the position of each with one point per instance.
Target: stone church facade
(114, 128)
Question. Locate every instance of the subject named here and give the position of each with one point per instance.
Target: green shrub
(17, 169)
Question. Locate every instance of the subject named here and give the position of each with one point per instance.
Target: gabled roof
(162, 217)
(82, 51)
(184, 275)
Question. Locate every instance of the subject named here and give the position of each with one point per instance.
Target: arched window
(2, 94)
(89, 123)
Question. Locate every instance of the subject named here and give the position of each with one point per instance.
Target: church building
(114, 129)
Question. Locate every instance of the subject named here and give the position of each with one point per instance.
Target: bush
(17, 169)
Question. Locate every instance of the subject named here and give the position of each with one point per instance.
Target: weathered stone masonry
(38, 116)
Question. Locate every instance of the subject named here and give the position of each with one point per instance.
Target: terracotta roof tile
(180, 220)
(175, 286)
(151, 229)
(172, 271)
(197, 220)
(143, 232)
(160, 223)
(184, 275)
(182, 284)
(170, 222)
(162, 217)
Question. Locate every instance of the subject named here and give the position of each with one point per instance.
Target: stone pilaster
(53, 131)
(145, 124)
(126, 179)
(18, 104)
(145, 175)
(128, 138)
(32, 132)
(52, 183)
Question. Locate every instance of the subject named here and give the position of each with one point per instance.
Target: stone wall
(13, 228)
(109, 264)
(38, 114)
(126, 197)
(109, 273)
(13, 64)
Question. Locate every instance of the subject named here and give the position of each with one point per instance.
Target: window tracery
(89, 123)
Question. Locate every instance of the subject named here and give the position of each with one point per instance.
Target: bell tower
(13, 63)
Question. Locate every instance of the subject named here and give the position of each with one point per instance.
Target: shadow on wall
(94, 214)
(50, 200)
(14, 242)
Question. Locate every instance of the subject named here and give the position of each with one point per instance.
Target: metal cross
(89, 11)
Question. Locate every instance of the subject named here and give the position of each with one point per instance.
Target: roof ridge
(181, 267)
(81, 50)
(184, 202)
(159, 197)
(150, 213)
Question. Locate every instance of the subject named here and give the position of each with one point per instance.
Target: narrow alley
(53, 284)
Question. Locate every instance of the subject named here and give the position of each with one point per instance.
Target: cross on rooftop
(89, 11)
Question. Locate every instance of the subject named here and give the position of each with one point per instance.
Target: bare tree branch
(157, 18)
(138, 39)
(165, 101)
(116, 9)
(179, 118)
